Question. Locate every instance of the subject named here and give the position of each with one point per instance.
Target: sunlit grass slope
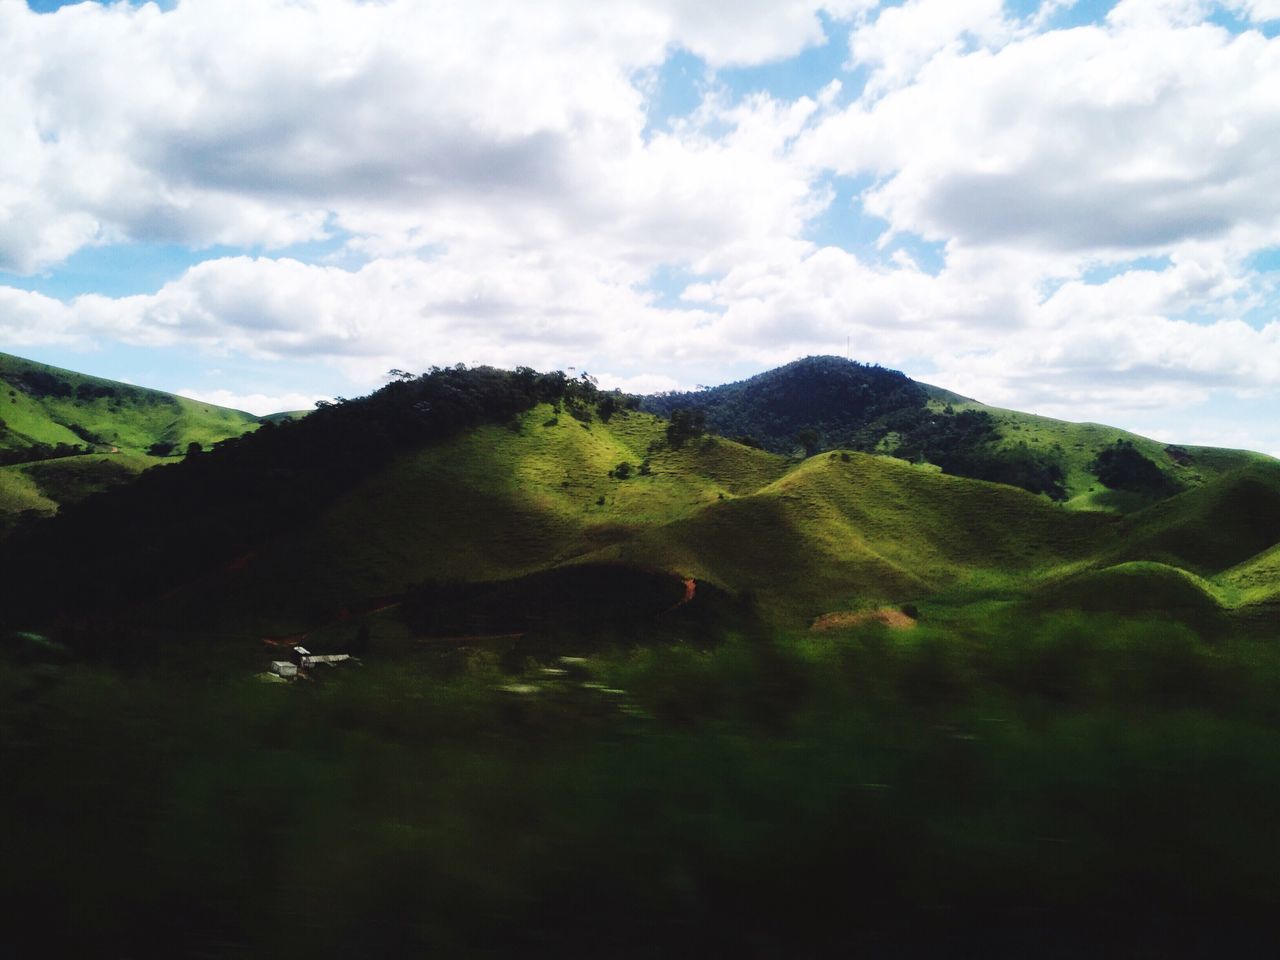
(42, 404)
(43, 485)
(843, 528)
(834, 532)
(1255, 584)
(499, 501)
(1209, 530)
(1203, 553)
(801, 538)
(1080, 443)
(1140, 587)
(20, 493)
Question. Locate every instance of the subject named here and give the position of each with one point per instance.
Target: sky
(1066, 208)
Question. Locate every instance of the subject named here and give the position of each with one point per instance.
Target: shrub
(1122, 467)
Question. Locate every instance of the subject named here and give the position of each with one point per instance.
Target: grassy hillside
(1211, 529)
(301, 524)
(1255, 586)
(20, 493)
(498, 501)
(42, 486)
(824, 403)
(56, 426)
(800, 538)
(845, 529)
(1141, 588)
(1080, 443)
(43, 404)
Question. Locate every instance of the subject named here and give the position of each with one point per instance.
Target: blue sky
(1063, 207)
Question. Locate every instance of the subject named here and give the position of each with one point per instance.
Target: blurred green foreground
(1055, 785)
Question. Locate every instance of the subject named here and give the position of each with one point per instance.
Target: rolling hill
(828, 403)
(588, 636)
(64, 435)
(436, 484)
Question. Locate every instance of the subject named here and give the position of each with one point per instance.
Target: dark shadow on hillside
(578, 608)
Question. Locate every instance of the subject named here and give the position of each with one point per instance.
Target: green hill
(850, 528)
(1255, 586)
(823, 403)
(1079, 444)
(465, 477)
(841, 401)
(1139, 587)
(508, 500)
(1211, 529)
(44, 404)
(64, 435)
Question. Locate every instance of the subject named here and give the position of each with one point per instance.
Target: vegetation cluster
(173, 524)
(834, 397)
(1122, 467)
(40, 451)
(823, 403)
(1106, 783)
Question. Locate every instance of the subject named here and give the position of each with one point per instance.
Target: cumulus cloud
(1258, 11)
(1100, 141)
(402, 312)
(265, 123)
(259, 404)
(903, 39)
(28, 319)
(1098, 194)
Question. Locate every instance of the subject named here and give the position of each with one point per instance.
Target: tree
(810, 439)
(685, 425)
(607, 406)
(1122, 467)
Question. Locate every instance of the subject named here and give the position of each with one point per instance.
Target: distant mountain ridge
(826, 402)
(838, 399)
(483, 476)
(64, 435)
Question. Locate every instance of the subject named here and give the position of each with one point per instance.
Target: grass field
(1079, 443)
(40, 404)
(1106, 784)
(799, 539)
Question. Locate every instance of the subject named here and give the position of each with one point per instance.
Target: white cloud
(1158, 13)
(641, 384)
(30, 319)
(263, 123)
(1103, 142)
(495, 167)
(903, 39)
(402, 312)
(1257, 11)
(259, 404)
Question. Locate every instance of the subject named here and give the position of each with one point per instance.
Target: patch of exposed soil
(891, 617)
